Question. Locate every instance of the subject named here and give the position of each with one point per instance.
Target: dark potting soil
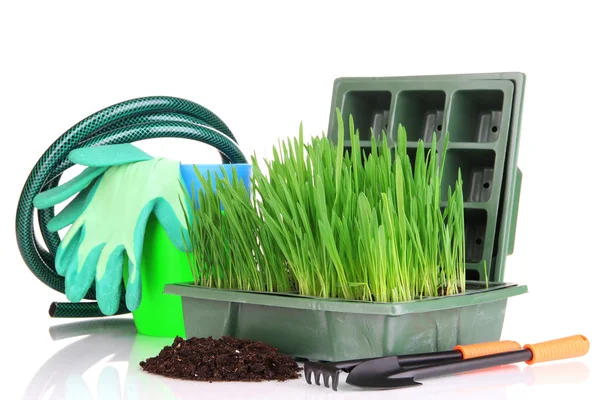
(224, 359)
(442, 291)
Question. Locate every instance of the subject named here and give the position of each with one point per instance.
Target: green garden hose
(126, 122)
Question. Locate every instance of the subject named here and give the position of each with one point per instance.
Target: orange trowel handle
(486, 349)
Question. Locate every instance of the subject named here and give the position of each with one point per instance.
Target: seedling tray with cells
(481, 113)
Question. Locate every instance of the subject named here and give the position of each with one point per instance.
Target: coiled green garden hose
(126, 122)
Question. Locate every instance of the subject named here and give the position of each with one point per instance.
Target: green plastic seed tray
(481, 113)
(334, 330)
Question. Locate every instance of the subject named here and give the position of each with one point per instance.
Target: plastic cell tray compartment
(482, 114)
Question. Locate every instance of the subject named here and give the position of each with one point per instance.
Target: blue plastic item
(188, 173)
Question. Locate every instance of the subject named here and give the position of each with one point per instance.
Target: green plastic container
(162, 263)
(334, 330)
(159, 314)
(482, 112)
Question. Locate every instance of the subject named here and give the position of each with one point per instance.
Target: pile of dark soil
(224, 359)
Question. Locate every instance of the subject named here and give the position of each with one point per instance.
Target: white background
(265, 67)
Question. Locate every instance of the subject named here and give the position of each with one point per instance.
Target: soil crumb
(225, 359)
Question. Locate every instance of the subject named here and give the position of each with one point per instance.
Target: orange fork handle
(558, 349)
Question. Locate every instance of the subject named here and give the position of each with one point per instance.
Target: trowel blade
(377, 374)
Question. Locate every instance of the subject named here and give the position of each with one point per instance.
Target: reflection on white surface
(104, 364)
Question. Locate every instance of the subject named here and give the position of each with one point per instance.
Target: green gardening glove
(117, 194)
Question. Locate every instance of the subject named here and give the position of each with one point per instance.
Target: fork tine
(310, 370)
(318, 377)
(335, 380)
(326, 379)
(307, 374)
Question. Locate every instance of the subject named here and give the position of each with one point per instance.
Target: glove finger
(108, 156)
(67, 250)
(58, 194)
(79, 279)
(133, 297)
(73, 210)
(108, 280)
(174, 227)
